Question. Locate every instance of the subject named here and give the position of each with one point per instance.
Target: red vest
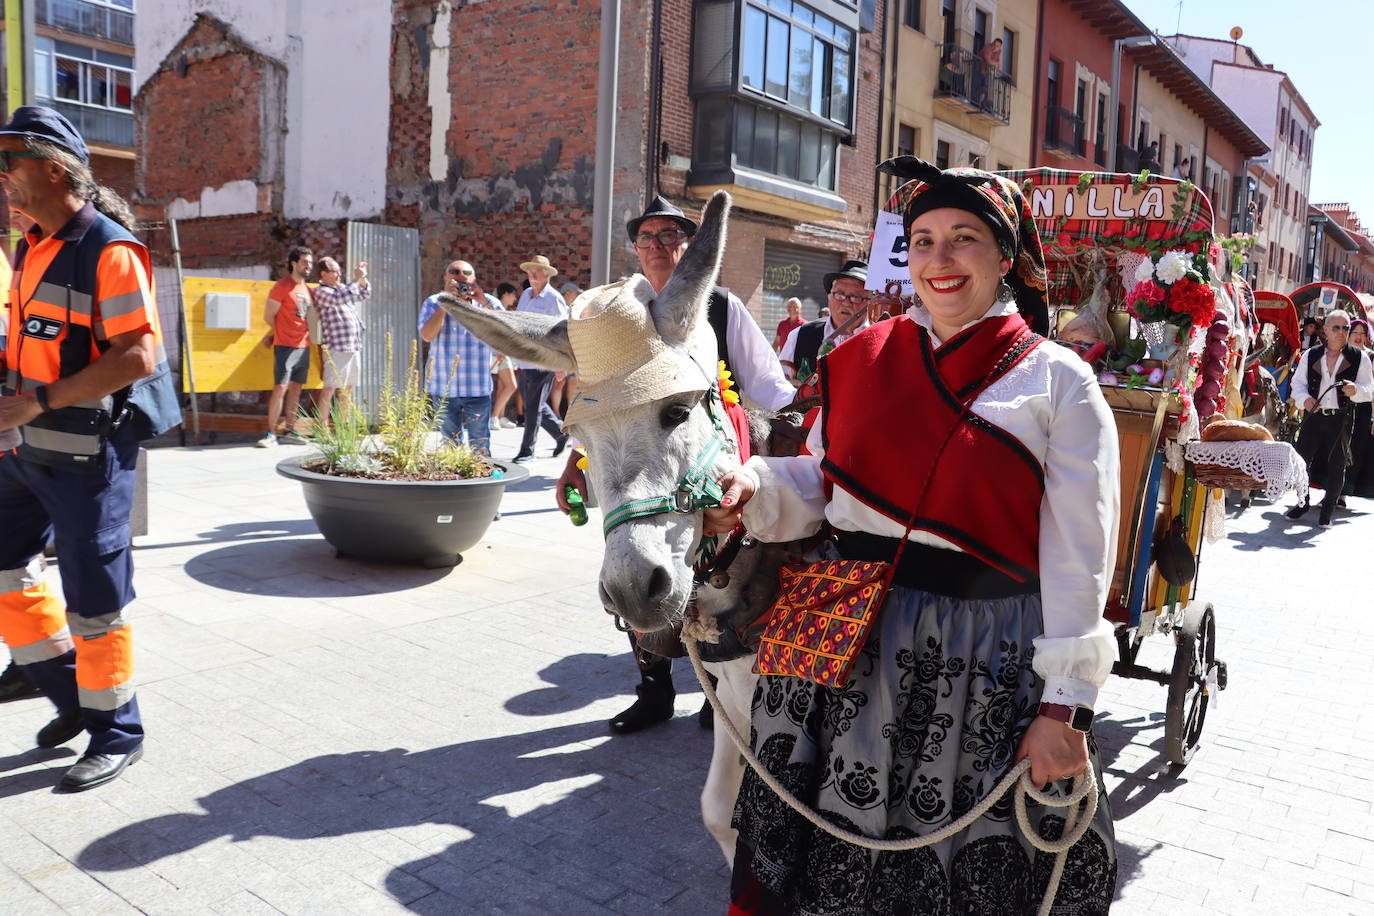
(893, 437)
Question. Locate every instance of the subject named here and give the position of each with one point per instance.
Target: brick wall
(520, 142)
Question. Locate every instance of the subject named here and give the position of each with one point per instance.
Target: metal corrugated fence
(392, 254)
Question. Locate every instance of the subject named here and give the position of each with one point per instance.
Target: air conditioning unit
(226, 311)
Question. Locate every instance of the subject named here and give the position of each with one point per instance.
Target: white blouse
(1051, 403)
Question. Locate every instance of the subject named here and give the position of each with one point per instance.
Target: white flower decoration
(1144, 270)
(1173, 266)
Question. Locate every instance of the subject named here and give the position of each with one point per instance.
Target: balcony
(967, 83)
(98, 125)
(86, 19)
(1064, 133)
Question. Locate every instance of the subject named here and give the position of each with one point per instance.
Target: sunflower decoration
(581, 459)
(726, 383)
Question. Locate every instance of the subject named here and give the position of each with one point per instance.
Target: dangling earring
(1005, 293)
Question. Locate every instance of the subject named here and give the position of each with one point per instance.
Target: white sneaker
(267, 441)
(494, 424)
(507, 423)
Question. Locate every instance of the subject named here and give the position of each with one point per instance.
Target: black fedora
(853, 270)
(661, 207)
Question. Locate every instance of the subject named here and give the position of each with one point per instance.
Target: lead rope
(1084, 790)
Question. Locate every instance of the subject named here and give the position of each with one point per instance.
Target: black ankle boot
(654, 705)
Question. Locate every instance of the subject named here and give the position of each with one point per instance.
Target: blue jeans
(470, 414)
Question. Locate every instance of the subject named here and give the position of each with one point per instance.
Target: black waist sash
(936, 570)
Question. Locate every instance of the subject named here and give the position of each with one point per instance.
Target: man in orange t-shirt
(288, 304)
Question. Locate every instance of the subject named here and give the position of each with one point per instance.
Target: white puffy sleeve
(1078, 526)
(1364, 380)
(757, 369)
(789, 497)
(1297, 389)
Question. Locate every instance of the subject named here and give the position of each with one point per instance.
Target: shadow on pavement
(546, 811)
(240, 567)
(1299, 533)
(576, 681)
(241, 531)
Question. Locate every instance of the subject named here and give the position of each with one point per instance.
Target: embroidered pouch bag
(821, 619)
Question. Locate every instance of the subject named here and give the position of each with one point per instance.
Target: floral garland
(1173, 289)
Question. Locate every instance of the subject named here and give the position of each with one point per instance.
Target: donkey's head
(646, 412)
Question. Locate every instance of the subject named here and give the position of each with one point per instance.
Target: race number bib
(888, 260)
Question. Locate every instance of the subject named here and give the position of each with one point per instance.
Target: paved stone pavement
(332, 736)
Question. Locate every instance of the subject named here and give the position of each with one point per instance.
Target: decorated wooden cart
(1141, 288)
(1317, 300)
(1277, 347)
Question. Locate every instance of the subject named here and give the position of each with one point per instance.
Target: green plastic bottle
(577, 513)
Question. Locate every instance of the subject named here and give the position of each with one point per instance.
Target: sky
(1324, 47)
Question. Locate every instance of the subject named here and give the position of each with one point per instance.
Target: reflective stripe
(117, 306)
(23, 577)
(50, 647)
(104, 700)
(54, 441)
(93, 627)
(56, 297)
(105, 662)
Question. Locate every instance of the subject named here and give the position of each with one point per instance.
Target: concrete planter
(429, 522)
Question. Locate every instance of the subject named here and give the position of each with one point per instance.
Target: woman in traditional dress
(990, 645)
(1359, 479)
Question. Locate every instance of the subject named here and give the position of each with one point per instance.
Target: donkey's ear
(682, 303)
(525, 336)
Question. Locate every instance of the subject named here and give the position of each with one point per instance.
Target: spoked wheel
(1195, 659)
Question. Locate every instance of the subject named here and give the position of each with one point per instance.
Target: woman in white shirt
(997, 451)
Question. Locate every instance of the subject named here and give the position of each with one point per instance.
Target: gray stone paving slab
(334, 736)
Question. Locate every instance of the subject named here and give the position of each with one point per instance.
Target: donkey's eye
(675, 414)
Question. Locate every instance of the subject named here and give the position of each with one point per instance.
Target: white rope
(1084, 790)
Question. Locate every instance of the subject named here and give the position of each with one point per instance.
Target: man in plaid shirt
(341, 330)
(460, 365)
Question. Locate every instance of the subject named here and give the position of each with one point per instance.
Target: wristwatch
(1079, 718)
(40, 394)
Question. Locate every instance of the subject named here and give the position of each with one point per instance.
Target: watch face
(1082, 718)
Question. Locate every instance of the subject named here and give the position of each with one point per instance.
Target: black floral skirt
(929, 723)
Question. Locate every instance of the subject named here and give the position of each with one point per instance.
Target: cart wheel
(1194, 658)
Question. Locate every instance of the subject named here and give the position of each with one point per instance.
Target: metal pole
(184, 326)
(1112, 126)
(608, 79)
(26, 20)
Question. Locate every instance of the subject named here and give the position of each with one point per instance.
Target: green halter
(696, 491)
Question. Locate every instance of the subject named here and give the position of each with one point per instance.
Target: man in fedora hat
(660, 236)
(845, 295)
(536, 383)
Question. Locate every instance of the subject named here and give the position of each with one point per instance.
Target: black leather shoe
(97, 769)
(14, 686)
(522, 458)
(650, 709)
(1297, 511)
(559, 444)
(706, 718)
(64, 728)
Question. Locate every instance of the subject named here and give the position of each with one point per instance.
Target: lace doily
(1275, 463)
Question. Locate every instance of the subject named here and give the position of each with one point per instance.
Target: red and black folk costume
(996, 606)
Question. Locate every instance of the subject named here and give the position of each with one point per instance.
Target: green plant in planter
(403, 446)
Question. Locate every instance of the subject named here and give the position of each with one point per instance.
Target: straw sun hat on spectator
(540, 262)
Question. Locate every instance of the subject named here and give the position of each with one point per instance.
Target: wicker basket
(1218, 477)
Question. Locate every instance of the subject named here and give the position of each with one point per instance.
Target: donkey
(649, 416)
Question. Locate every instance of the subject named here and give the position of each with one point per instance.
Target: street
(334, 736)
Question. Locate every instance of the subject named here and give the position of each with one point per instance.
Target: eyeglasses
(852, 300)
(1338, 327)
(6, 157)
(667, 238)
(457, 272)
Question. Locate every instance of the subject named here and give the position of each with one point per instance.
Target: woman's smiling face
(956, 267)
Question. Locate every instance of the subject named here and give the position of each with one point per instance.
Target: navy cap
(50, 125)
